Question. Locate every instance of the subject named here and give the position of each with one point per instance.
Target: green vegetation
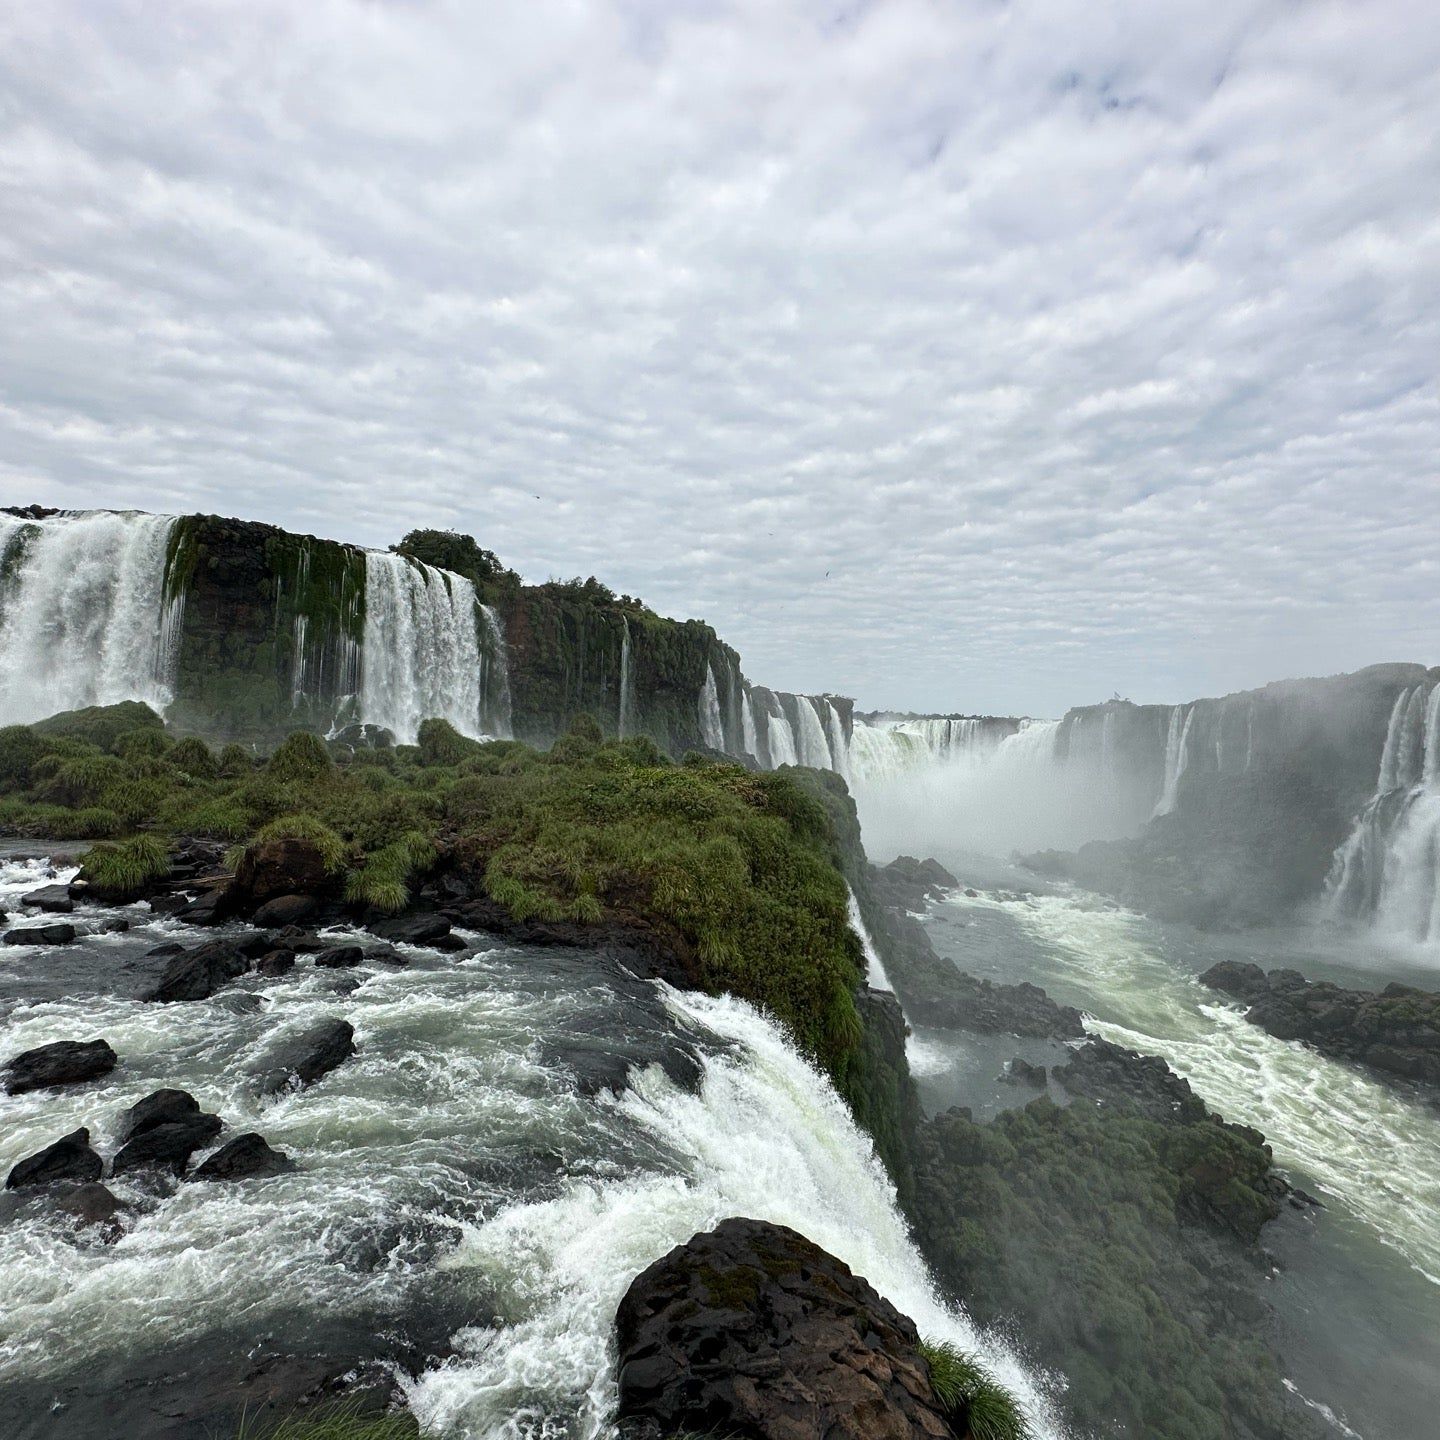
(729, 873)
(1086, 1225)
(335, 1422)
(972, 1396)
(122, 871)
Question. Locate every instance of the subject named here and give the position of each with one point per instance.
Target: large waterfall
(882, 749)
(625, 720)
(83, 614)
(1177, 756)
(430, 651)
(1388, 869)
(712, 727)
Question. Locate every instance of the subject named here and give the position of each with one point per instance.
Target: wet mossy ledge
(721, 878)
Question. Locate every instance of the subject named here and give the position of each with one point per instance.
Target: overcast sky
(951, 354)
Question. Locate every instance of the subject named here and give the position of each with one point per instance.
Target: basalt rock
(64, 1062)
(167, 1146)
(70, 1158)
(340, 957)
(306, 1057)
(198, 974)
(285, 910)
(53, 899)
(431, 929)
(58, 934)
(245, 1157)
(93, 1205)
(277, 962)
(275, 868)
(160, 1107)
(751, 1330)
(1021, 1072)
(1395, 1031)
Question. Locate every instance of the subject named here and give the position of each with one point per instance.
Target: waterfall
(810, 733)
(875, 976)
(881, 750)
(712, 727)
(83, 614)
(1250, 737)
(839, 750)
(625, 721)
(747, 725)
(782, 736)
(1177, 754)
(1387, 870)
(422, 656)
(495, 713)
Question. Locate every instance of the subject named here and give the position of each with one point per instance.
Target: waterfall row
(84, 619)
(431, 650)
(884, 748)
(1388, 868)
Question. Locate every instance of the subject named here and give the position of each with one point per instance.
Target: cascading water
(886, 749)
(1177, 756)
(810, 734)
(875, 976)
(747, 725)
(83, 615)
(712, 726)
(839, 750)
(781, 736)
(422, 656)
(625, 720)
(1388, 869)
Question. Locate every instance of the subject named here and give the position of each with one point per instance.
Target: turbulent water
(458, 1187)
(712, 727)
(430, 651)
(83, 614)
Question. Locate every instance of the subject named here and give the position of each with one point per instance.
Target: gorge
(573, 1072)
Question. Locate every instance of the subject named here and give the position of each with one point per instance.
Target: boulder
(304, 1058)
(167, 1146)
(69, 1158)
(65, 1062)
(271, 869)
(198, 974)
(168, 904)
(57, 934)
(413, 929)
(750, 1329)
(339, 957)
(169, 947)
(285, 910)
(159, 1107)
(92, 1204)
(53, 899)
(211, 906)
(245, 1157)
(1236, 977)
(277, 962)
(116, 925)
(1021, 1072)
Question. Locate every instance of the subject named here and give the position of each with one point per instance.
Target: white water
(712, 726)
(810, 734)
(625, 720)
(781, 736)
(884, 750)
(1369, 1150)
(747, 725)
(422, 656)
(839, 750)
(1177, 756)
(766, 1138)
(875, 976)
(83, 616)
(1387, 871)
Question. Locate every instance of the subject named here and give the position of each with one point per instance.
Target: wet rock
(116, 926)
(304, 1058)
(277, 962)
(245, 1157)
(167, 1146)
(160, 1107)
(911, 883)
(302, 942)
(69, 1158)
(53, 899)
(428, 930)
(93, 1205)
(210, 907)
(276, 868)
(57, 934)
(65, 1062)
(168, 904)
(198, 974)
(169, 947)
(1021, 1072)
(750, 1329)
(285, 910)
(252, 947)
(339, 957)
(386, 955)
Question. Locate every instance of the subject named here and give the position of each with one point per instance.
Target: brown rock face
(752, 1331)
(281, 867)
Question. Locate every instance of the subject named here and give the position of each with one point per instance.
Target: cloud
(971, 356)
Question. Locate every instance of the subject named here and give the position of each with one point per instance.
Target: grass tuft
(122, 870)
(346, 1421)
(973, 1396)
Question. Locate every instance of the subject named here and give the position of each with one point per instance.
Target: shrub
(122, 871)
(333, 850)
(442, 744)
(192, 756)
(148, 741)
(301, 757)
(972, 1396)
(235, 760)
(20, 748)
(100, 725)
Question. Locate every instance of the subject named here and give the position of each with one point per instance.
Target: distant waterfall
(810, 735)
(750, 739)
(875, 976)
(1388, 869)
(887, 749)
(712, 726)
(1177, 756)
(625, 721)
(839, 750)
(422, 655)
(83, 614)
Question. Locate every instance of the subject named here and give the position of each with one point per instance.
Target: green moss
(100, 725)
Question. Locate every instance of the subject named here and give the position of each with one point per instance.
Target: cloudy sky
(952, 354)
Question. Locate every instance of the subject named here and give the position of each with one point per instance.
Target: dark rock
(306, 1057)
(160, 1107)
(167, 1146)
(412, 929)
(285, 910)
(93, 1204)
(198, 974)
(170, 947)
(252, 947)
(339, 957)
(69, 1158)
(168, 904)
(65, 1062)
(211, 906)
(115, 926)
(275, 868)
(245, 1157)
(58, 934)
(386, 955)
(277, 962)
(53, 899)
(1021, 1072)
(449, 943)
(750, 1329)
(302, 942)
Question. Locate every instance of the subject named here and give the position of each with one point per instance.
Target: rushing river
(478, 1182)
(1359, 1288)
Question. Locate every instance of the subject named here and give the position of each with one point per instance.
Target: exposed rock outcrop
(70, 1158)
(245, 1157)
(198, 974)
(64, 1062)
(304, 1058)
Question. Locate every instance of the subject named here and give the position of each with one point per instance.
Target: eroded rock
(70, 1158)
(64, 1062)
